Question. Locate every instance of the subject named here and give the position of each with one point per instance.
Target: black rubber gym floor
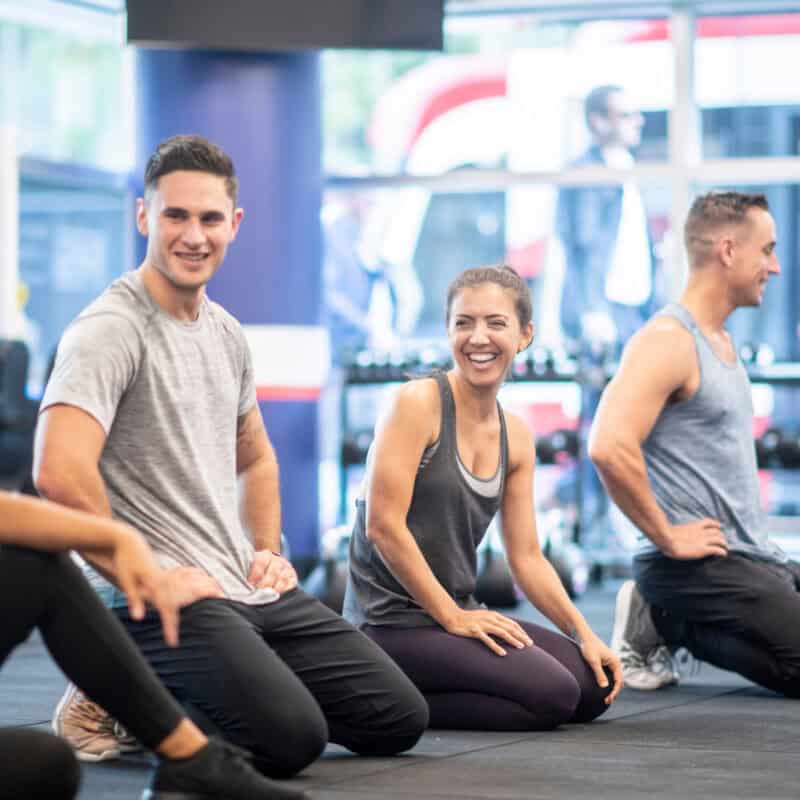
(714, 736)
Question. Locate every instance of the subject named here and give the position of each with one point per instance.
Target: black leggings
(735, 612)
(468, 687)
(283, 679)
(47, 591)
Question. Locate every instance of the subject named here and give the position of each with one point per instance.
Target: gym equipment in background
(328, 580)
(495, 585)
(17, 416)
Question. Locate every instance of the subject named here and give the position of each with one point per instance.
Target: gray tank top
(700, 455)
(448, 516)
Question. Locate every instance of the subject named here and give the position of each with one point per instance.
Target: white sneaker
(647, 663)
(663, 662)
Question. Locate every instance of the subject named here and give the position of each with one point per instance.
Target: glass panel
(509, 91)
(749, 106)
(391, 254)
(64, 92)
(73, 242)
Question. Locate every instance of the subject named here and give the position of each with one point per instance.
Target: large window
(490, 152)
(63, 83)
(470, 154)
(749, 106)
(505, 94)
(390, 255)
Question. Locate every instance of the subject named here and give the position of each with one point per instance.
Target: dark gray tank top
(700, 455)
(448, 517)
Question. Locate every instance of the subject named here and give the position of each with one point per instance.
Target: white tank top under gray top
(448, 516)
(700, 455)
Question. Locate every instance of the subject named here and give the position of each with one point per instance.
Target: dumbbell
(355, 446)
(771, 449)
(495, 585)
(328, 580)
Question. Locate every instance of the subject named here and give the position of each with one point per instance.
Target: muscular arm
(533, 572)
(658, 365)
(260, 504)
(259, 495)
(67, 451)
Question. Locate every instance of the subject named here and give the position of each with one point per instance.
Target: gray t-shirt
(168, 395)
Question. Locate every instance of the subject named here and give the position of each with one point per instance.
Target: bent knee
(395, 733)
(592, 701)
(790, 676)
(40, 765)
(558, 704)
(402, 735)
(283, 750)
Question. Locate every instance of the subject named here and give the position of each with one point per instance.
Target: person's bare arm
(67, 451)
(400, 440)
(260, 503)
(657, 366)
(533, 573)
(41, 525)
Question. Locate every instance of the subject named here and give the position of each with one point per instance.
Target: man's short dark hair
(596, 101)
(713, 210)
(194, 154)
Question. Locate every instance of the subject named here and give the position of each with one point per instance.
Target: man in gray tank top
(673, 443)
(151, 416)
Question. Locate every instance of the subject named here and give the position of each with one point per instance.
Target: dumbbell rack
(525, 371)
(530, 372)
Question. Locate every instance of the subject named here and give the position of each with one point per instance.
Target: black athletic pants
(47, 591)
(735, 612)
(284, 678)
(469, 687)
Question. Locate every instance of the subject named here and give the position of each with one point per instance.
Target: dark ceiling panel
(287, 24)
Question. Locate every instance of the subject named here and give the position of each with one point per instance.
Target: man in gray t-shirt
(151, 416)
(673, 442)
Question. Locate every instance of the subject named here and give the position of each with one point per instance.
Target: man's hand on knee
(271, 571)
(190, 584)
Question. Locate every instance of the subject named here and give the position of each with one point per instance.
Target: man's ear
(726, 249)
(236, 221)
(141, 216)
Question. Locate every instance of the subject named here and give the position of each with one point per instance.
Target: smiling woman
(445, 460)
(488, 317)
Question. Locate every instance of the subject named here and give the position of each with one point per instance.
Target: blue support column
(264, 110)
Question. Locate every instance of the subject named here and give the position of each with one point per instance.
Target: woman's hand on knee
(487, 626)
(599, 657)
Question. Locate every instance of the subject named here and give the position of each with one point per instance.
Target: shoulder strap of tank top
(503, 448)
(447, 416)
(677, 311)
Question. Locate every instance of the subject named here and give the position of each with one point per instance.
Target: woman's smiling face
(485, 333)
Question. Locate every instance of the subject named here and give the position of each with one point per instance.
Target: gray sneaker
(647, 663)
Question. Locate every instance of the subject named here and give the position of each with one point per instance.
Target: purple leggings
(468, 687)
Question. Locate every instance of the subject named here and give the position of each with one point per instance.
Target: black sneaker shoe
(220, 771)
